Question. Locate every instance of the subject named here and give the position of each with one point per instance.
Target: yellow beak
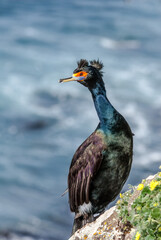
(68, 79)
(75, 77)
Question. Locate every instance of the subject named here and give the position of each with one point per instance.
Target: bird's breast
(114, 169)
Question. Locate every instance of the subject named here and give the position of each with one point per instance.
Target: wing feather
(85, 164)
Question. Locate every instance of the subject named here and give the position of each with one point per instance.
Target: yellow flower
(138, 208)
(149, 219)
(153, 184)
(85, 236)
(121, 196)
(140, 187)
(160, 167)
(159, 174)
(159, 229)
(137, 236)
(155, 204)
(118, 202)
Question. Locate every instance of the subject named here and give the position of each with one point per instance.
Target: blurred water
(42, 122)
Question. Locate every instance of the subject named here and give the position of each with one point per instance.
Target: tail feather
(80, 221)
(77, 224)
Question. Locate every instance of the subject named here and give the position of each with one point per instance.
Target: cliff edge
(110, 225)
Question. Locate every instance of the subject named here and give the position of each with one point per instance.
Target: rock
(108, 225)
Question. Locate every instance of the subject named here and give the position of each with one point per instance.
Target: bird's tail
(77, 224)
(80, 221)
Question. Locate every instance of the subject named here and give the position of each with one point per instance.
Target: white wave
(147, 158)
(116, 44)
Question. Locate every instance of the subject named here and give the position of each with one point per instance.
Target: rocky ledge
(108, 225)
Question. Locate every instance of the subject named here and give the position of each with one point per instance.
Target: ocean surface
(42, 122)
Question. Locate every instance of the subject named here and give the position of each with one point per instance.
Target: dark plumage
(102, 163)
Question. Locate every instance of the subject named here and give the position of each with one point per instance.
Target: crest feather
(82, 63)
(97, 64)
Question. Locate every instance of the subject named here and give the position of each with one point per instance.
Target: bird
(102, 163)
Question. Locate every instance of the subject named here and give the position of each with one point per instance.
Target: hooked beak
(68, 79)
(75, 77)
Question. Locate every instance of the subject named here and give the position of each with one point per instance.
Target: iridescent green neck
(106, 112)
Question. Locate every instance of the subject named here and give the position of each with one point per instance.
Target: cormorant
(102, 163)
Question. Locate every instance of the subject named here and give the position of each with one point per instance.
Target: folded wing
(85, 164)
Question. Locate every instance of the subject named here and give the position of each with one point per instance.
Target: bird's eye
(80, 74)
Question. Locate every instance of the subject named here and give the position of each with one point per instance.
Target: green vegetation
(144, 213)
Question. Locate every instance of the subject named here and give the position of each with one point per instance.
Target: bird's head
(87, 73)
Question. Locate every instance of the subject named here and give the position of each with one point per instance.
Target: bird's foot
(98, 214)
(88, 219)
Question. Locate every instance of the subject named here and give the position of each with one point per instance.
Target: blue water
(43, 122)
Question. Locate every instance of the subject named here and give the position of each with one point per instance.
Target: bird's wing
(85, 164)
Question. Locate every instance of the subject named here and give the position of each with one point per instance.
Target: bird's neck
(103, 107)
